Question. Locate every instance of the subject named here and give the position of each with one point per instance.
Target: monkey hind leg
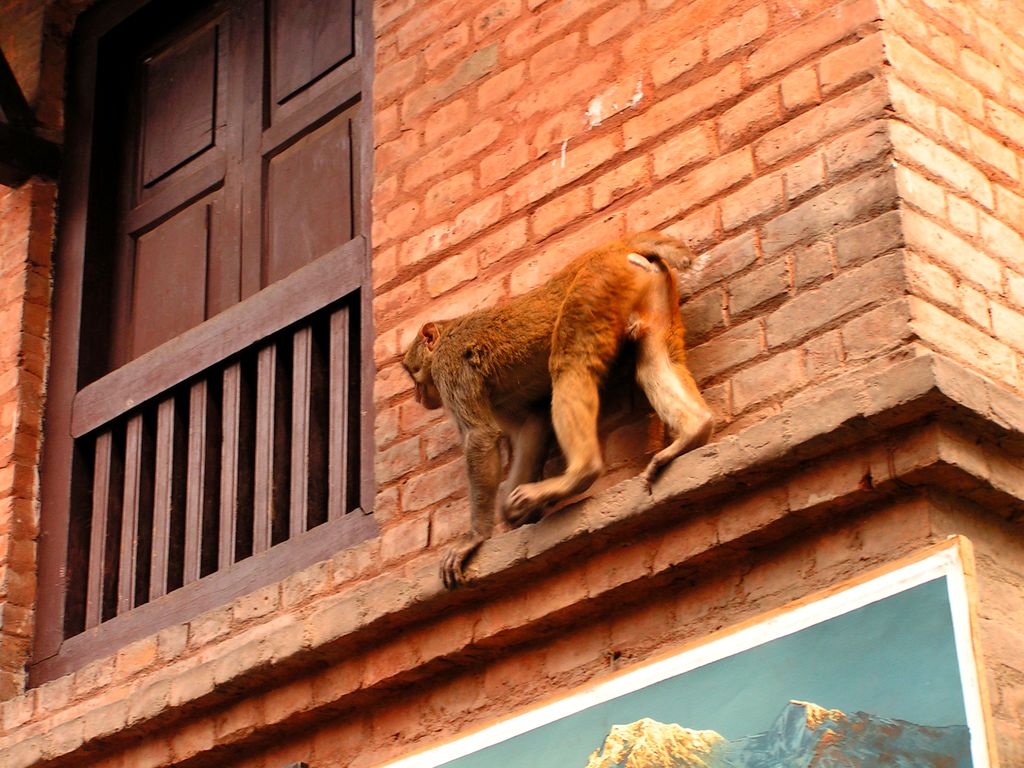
(673, 394)
(529, 450)
(574, 409)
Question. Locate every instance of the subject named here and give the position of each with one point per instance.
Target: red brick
(759, 197)
(680, 59)
(804, 176)
(692, 190)
(446, 46)
(391, 381)
(876, 332)
(703, 315)
(808, 129)
(861, 146)
(453, 271)
(823, 356)
(570, 87)
(496, 246)
(737, 32)
(396, 461)
(559, 212)
(620, 181)
(829, 27)
(677, 109)
(554, 57)
(933, 78)
(1009, 123)
(851, 63)
(434, 17)
(610, 23)
(962, 341)
(494, 17)
(684, 150)
(670, 28)
(385, 13)
(811, 264)
(536, 269)
(498, 88)
(800, 89)
(470, 70)
(844, 294)
(446, 121)
(447, 192)
(396, 152)
(388, 305)
(536, 29)
(451, 153)
(750, 117)
(405, 538)
(385, 123)
(625, 93)
(841, 204)
(727, 350)
(395, 78)
(562, 170)
(698, 229)
(963, 259)
(766, 284)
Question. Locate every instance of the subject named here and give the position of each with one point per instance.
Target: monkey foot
(522, 507)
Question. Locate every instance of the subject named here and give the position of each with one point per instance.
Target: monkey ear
(430, 333)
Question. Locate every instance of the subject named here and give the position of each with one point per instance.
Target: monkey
(534, 365)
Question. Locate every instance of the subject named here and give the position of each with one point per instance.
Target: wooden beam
(23, 154)
(13, 104)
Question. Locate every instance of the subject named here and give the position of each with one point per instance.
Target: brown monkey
(537, 361)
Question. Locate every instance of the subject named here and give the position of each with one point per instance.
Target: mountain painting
(881, 673)
(803, 736)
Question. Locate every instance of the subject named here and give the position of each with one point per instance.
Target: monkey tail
(667, 250)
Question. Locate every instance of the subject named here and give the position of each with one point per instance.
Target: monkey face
(417, 365)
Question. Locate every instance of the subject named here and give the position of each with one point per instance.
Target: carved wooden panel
(308, 38)
(179, 103)
(169, 294)
(299, 231)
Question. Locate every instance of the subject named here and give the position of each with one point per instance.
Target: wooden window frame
(73, 410)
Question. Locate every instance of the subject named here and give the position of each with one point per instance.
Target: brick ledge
(930, 393)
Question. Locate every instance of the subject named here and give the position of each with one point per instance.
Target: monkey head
(417, 362)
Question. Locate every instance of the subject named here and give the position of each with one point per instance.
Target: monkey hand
(455, 558)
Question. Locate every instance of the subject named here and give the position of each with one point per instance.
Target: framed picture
(882, 670)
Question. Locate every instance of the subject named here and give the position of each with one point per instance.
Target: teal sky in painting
(894, 658)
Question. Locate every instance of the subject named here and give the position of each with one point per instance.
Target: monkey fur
(535, 363)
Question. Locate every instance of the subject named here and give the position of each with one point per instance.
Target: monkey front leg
(483, 462)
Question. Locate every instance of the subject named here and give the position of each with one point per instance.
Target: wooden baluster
(302, 358)
(101, 491)
(163, 498)
(197, 491)
(133, 471)
(338, 420)
(263, 493)
(231, 414)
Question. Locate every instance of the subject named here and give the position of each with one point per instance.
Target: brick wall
(521, 134)
(26, 226)
(850, 175)
(956, 80)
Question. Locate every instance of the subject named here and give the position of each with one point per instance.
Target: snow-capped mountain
(804, 735)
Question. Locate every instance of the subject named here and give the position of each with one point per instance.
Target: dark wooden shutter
(207, 417)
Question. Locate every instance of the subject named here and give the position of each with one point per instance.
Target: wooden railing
(248, 454)
(222, 459)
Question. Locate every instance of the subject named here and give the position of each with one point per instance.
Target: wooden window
(208, 410)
